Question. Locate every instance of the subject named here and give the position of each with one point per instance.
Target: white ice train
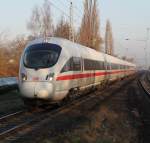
(51, 68)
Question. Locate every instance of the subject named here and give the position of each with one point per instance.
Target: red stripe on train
(86, 75)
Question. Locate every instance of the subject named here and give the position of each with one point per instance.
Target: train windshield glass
(41, 55)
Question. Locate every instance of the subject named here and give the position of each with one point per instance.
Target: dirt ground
(109, 118)
(10, 102)
(110, 122)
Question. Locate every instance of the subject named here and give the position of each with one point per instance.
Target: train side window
(112, 66)
(86, 64)
(115, 67)
(76, 64)
(73, 64)
(93, 65)
(120, 66)
(100, 65)
(108, 66)
(68, 66)
(96, 65)
(104, 68)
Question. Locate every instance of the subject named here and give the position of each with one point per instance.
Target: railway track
(144, 82)
(11, 123)
(66, 122)
(23, 120)
(142, 102)
(6, 117)
(26, 121)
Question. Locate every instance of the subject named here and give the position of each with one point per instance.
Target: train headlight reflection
(24, 77)
(50, 76)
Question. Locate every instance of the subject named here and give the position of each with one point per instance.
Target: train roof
(70, 46)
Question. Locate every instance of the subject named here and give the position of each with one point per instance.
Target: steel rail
(46, 115)
(143, 87)
(49, 115)
(5, 117)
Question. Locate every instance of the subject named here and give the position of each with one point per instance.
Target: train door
(80, 81)
(107, 69)
(89, 72)
(92, 77)
(77, 68)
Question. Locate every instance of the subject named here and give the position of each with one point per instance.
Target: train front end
(37, 71)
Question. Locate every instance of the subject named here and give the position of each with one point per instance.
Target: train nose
(44, 90)
(41, 90)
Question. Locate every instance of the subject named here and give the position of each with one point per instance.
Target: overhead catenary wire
(76, 7)
(58, 8)
(76, 13)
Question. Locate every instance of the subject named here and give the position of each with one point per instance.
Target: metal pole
(71, 33)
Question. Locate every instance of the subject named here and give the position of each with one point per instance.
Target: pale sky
(129, 19)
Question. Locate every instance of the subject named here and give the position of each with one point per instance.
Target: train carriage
(52, 67)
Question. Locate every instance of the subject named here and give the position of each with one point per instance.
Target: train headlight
(50, 76)
(24, 77)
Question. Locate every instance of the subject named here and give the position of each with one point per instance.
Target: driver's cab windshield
(43, 55)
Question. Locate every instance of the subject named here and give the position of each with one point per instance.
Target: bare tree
(40, 23)
(109, 48)
(35, 23)
(18, 45)
(10, 56)
(47, 26)
(90, 27)
(62, 29)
